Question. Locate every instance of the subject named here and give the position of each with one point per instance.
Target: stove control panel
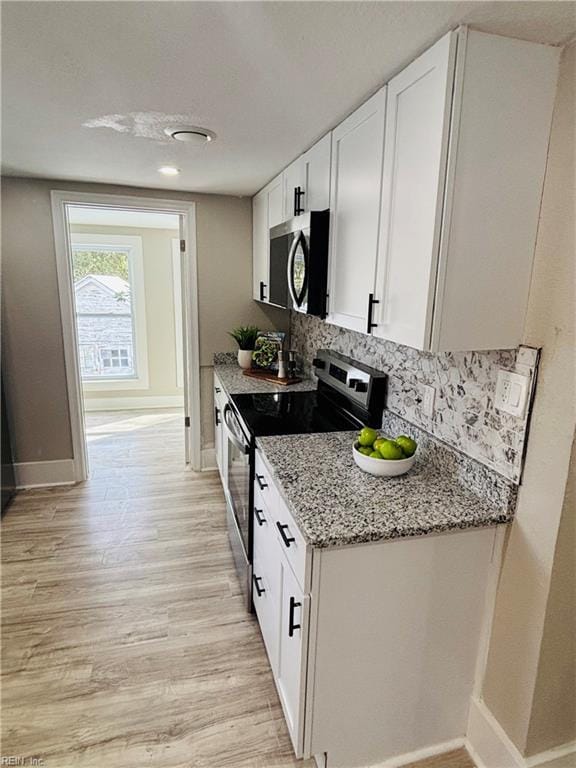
(359, 383)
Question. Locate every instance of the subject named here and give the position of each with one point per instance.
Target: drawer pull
(259, 590)
(217, 416)
(261, 483)
(217, 390)
(283, 527)
(259, 515)
(291, 625)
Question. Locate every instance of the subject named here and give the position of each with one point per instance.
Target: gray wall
(32, 334)
(521, 668)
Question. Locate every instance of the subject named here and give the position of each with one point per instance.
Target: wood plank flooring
(125, 641)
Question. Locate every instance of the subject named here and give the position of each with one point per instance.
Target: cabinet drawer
(263, 483)
(264, 523)
(287, 533)
(292, 543)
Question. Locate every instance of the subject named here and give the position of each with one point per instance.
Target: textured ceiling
(87, 87)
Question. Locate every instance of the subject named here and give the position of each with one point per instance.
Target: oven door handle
(242, 447)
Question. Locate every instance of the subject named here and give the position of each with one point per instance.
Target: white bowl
(382, 467)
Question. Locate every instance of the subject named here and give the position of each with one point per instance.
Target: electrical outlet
(512, 392)
(428, 398)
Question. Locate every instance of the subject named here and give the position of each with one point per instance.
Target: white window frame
(132, 246)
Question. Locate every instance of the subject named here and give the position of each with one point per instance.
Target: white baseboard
(490, 747)
(563, 756)
(420, 754)
(487, 742)
(208, 459)
(32, 474)
(132, 403)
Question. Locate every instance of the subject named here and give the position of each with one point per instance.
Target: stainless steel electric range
(349, 395)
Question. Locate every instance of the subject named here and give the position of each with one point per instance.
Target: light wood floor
(125, 641)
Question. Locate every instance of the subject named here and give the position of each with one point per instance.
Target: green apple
(375, 455)
(407, 444)
(365, 449)
(367, 436)
(391, 450)
(378, 443)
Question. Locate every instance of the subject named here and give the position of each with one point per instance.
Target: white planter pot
(245, 358)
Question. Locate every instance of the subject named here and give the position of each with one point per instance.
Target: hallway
(125, 639)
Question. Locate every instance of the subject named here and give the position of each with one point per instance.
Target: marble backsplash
(465, 382)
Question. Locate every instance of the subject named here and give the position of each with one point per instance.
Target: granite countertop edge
(477, 512)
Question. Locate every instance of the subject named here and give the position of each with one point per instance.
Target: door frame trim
(60, 199)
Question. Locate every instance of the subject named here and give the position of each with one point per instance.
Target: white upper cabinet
(435, 186)
(275, 194)
(293, 188)
(267, 211)
(467, 131)
(307, 180)
(316, 175)
(416, 143)
(355, 187)
(260, 253)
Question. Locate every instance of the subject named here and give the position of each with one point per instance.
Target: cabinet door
(293, 179)
(415, 152)
(275, 194)
(316, 175)
(290, 676)
(265, 596)
(260, 246)
(355, 186)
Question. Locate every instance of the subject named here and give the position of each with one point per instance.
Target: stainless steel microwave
(299, 263)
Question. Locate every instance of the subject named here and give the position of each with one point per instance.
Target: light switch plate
(512, 391)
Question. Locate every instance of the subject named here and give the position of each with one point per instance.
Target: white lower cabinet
(264, 591)
(373, 647)
(290, 674)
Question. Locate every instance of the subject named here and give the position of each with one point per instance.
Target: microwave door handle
(230, 431)
(290, 269)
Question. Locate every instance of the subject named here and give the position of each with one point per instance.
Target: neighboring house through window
(110, 315)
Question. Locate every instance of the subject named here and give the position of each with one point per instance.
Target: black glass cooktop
(292, 413)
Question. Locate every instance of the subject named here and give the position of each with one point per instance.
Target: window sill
(105, 385)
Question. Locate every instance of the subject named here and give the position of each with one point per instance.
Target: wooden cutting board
(270, 376)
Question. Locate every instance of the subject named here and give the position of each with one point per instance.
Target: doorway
(128, 295)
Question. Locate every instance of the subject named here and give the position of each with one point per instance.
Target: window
(110, 317)
(117, 359)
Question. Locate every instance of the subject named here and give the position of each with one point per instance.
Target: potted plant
(245, 336)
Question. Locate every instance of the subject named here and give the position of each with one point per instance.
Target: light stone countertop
(235, 383)
(334, 503)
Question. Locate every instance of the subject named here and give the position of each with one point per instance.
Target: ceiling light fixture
(169, 170)
(191, 134)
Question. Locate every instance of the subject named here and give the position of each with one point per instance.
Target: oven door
(238, 474)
